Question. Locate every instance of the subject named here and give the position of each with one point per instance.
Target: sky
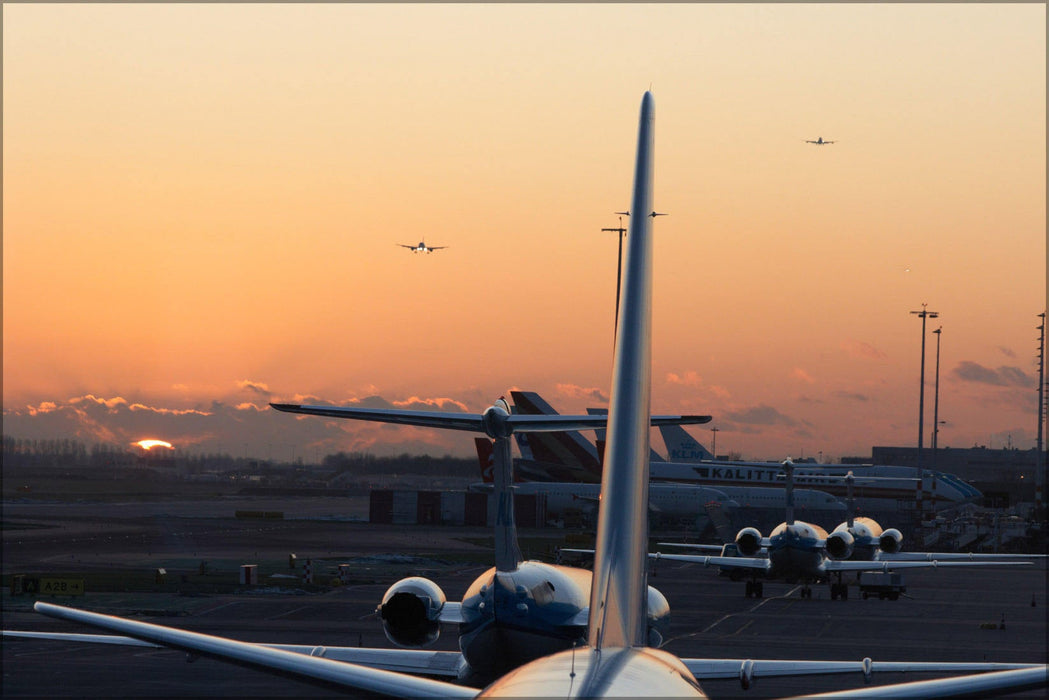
(202, 206)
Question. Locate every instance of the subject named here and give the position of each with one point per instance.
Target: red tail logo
(486, 457)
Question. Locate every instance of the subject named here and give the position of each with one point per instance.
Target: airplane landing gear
(754, 589)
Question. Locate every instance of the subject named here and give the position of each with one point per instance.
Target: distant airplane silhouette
(422, 247)
(820, 142)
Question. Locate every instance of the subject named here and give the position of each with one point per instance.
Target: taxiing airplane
(615, 658)
(820, 142)
(422, 247)
(797, 551)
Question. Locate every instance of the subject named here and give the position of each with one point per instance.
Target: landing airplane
(820, 142)
(422, 247)
(799, 551)
(614, 659)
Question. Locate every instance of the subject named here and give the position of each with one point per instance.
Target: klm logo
(685, 454)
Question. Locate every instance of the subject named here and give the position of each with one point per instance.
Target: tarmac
(979, 614)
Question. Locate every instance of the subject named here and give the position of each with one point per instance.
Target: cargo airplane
(614, 657)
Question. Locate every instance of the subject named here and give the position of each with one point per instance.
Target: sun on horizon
(148, 445)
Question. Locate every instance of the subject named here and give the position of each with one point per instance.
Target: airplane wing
(474, 422)
(971, 686)
(313, 668)
(953, 556)
(430, 663)
(437, 247)
(839, 565)
(410, 247)
(749, 670)
(760, 563)
(716, 548)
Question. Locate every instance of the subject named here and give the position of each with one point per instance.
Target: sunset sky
(202, 205)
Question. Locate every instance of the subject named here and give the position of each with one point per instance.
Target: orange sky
(201, 204)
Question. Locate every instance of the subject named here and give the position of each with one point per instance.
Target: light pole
(936, 401)
(714, 444)
(921, 388)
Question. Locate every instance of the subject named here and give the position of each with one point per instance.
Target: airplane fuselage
(795, 552)
(511, 618)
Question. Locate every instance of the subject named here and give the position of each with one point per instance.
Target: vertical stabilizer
(788, 493)
(682, 447)
(507, 550)
(620, 584)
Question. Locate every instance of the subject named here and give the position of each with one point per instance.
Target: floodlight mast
(921, 388)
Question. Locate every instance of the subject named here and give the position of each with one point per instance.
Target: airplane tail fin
(653, 456)
(486, 459)
(682, 447)
(618, 595)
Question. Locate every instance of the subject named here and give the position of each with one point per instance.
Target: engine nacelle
(658, 618)
(410, 612)
(748, 541)
(890, 541)
(839, 544)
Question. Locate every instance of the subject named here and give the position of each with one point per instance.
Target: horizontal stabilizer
(473, 422)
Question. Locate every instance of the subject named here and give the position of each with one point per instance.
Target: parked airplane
(569, 452)
(799, 551)
(667, 502)
(422, 247)
(820, 142)
(615, 659)
(881, 485)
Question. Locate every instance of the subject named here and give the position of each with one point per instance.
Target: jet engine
(410, 612)
(748, 541)
(839, 544)
(658, 618)
(890, 541)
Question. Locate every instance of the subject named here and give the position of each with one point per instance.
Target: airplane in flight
(820, 142)
(615, 657)
(422, 247)
(800, 551)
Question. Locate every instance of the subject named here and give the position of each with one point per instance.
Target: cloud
(581, 392)
(256, 387)
(851, 396)
(802, 375)
(860, 350)
(690, 378)
(1007, 351)
(1003, 376)
(760, 415)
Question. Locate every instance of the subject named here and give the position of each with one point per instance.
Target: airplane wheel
(833, 591)
(759, 589)
(750, 588)
(844, 591)
(865, 595)
(894, 596)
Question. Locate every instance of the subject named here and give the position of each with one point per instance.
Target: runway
(944, 616)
